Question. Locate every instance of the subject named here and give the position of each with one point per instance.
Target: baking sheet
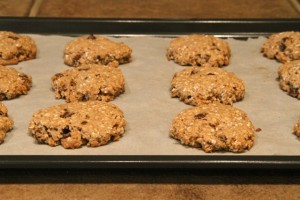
(147, 104)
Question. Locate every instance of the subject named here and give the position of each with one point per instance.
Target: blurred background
(186, 9)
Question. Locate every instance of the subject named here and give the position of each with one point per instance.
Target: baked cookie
(214, 127)
(15, 48)
(90, 82)
(196, 85)
(6, 123)
(199, 50)
(284, 46)
(297, 129)
(289, 78)
(95, 50)
(72, 125)
(13, 83)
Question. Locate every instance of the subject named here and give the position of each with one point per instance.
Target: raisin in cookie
(196, 85)
(90, 82)
(284, 46)
(72, 125)
(95, 50)
(6, 123)
(15, 48)
(199, 50)
(214, 127)
(13, 83)
(289, 78)
(297, 129)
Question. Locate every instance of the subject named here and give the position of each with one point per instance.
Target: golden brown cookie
(15, 48)
(199, 50)
(95, 50)
(284, 46)
(13, 83)
(72, 125)
(90, 82)
(196, 85)
(289, 78)
(214, 127)
(6, 123)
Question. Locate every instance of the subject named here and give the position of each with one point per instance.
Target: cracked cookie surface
(196, 85)
(13, 83)
(6, 123)
(90, 82)
(72, 125)
(199, 50)
(284, 46)
(289, 78)
(214, 127)
(15, 48)
(95, 50)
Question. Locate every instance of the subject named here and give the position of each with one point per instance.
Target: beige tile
(15, 7)
(169, 9)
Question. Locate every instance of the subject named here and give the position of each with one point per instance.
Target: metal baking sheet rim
(150, 162)
(137, 27)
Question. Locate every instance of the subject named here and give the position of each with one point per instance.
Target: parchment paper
(147, 104)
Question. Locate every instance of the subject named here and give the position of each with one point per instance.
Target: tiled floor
(152, 8)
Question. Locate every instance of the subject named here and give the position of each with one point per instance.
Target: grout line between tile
(296, 5)
(35, 8)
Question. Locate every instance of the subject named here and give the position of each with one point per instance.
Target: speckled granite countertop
(150, 184)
